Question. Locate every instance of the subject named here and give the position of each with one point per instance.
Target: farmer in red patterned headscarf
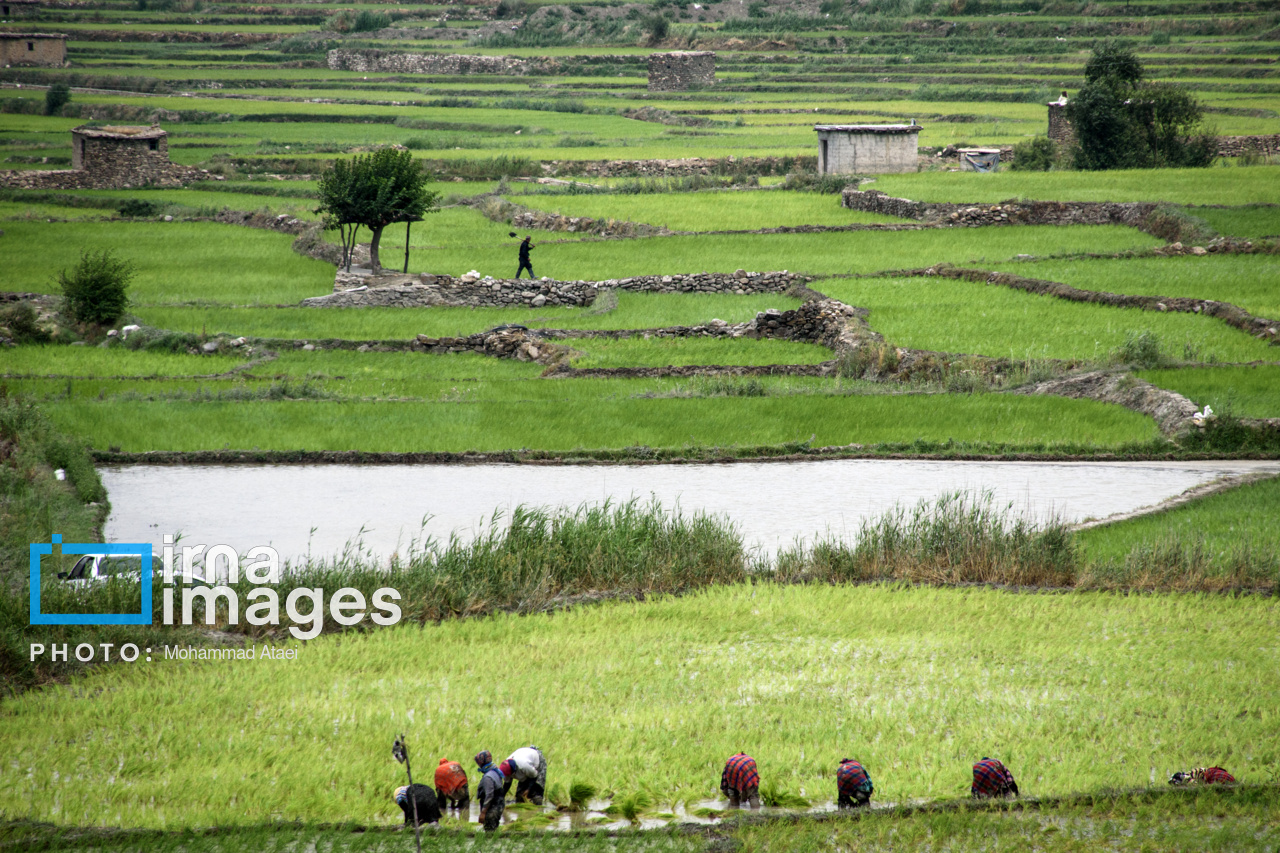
(1202, 775)
(740, 782)
(992, 779)
(853, 785)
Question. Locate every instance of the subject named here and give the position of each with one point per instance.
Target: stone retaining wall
(425, 63)
(682, 167)
(1011, 213)
(411, 291)
(542, 220)
(1234, 146)
(681, 70)
(171, 175)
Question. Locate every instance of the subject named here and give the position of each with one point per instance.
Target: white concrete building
(845, 149)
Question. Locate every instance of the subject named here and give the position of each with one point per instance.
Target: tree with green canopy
(374, 190)
(1124, 122)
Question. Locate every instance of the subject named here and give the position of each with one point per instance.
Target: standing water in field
(320, 509)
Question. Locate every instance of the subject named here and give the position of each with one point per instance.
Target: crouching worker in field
(423, 798)
(853, 785)
(1202, 776)
(992, 779)
(740, 781)
(490, 792)
(451, 785)
(528, 766)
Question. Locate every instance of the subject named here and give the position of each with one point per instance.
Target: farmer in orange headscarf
(451, 785)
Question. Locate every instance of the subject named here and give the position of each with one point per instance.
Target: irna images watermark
(185, 588)
(131, 653)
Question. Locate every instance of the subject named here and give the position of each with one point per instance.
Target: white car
(92, 569)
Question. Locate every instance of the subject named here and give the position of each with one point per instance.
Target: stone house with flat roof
(47, 50)
(111, 157)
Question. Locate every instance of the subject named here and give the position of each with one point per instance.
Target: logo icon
(141, 550)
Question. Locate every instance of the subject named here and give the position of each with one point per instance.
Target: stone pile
(413, 291)
(426, 63)
(416, 291)
(516, 343)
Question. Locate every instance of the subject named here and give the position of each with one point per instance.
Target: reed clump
(963, 537)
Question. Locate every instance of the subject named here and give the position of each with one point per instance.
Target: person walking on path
(528, 766)
(992, 779)
(525, 247)
(740, 781)
(853, 785)
(490, 792)
(451, 785)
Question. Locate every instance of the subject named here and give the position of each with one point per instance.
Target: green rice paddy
(1108, 692)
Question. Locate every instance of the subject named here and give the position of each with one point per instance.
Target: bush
(136, 208)
(95, 289)
(1140, 350)
(657, 27)
(1034, 155)
(20, 320)
(56, 97)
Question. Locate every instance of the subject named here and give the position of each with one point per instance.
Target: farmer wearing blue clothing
(490, 794)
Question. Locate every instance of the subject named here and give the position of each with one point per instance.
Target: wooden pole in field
(400, 751)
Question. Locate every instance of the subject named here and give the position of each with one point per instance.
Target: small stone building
(111, 158)
(11, 9)
(681, 70)
(44, 49)
(1060, 130)
(845, 149)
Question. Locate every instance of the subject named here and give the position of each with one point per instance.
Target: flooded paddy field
(321, 509)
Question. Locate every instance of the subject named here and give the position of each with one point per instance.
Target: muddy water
(320, 509)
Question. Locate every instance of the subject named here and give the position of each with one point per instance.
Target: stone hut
(1060, 130)
(44, 49)
(844, 149)
(681, 70)
(111, 158)
(10, 9)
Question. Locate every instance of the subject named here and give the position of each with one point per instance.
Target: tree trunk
(374, 264)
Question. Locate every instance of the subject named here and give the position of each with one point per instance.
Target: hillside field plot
(1107, 691)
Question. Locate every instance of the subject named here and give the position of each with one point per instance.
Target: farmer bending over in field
(529, 766)
(853, 785)
(525, 248)
(489, 793)
(421, 796)
(740, 782)
(1202, 776)
(992, 779)
(451, 785)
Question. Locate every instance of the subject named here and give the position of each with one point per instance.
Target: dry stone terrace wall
(1010, 213)
(681, 70)
(411, 291)
(426, 63)
(681, 168)
(1234, 146)
(172, 175)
